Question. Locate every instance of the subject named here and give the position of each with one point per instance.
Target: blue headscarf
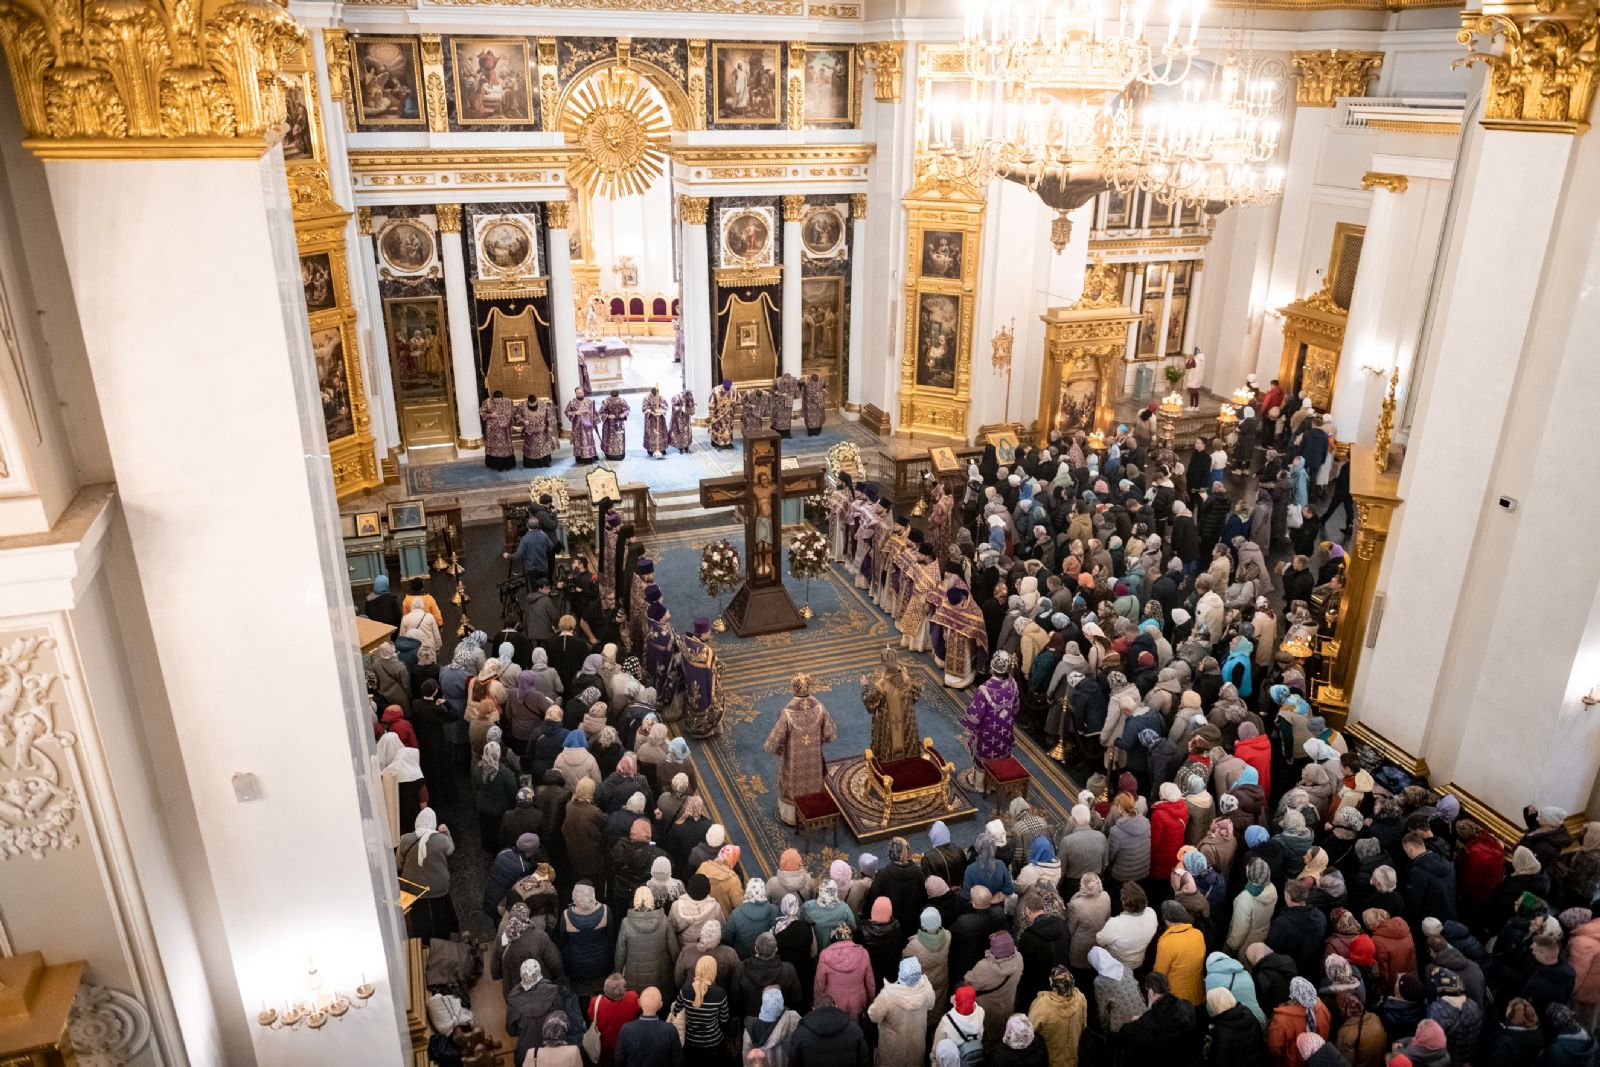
(1255, 836)
(380, 584)
(1248, 776)
(938, 834)
(576, 739)
(1041, 852)
(1195, 863)
(910, 971)
(678, 748)
(771, 1004)
(1239, 656)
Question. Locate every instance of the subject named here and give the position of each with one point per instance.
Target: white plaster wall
(641, 227)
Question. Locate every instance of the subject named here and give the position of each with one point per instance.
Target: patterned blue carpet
(675, 472)
(839, 646)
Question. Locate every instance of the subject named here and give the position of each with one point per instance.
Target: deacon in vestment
(814, 403)
(899, 565)
(784, 391)
(803, 727)
(701, 686)
(539, 431)
(866, 524)
(644, 576)
(655, 424)
(609, 557)
(659, 646)
(916, 608)
(681, 435)
(882, 553)
(724, 402)
(613, 423)
(989, 718)
(891, 696)
(889, 556)
(960, 643)
(941, 521)
(839, 501)
(499, 415)
(581, 418)
(752, 413)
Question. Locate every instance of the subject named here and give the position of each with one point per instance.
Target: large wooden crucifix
(762, 604)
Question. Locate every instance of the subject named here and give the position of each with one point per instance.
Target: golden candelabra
(1167, 414)
(317, 1007)
(1000, 361)
(1227, 419)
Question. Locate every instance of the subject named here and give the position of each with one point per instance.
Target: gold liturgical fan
(622, 134)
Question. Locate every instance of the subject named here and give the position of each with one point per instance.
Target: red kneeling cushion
(816, 805)
(911, 773)
(1005, 770)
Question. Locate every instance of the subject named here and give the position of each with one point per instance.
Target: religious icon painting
(1005, 445)
(515, 350)
(316, 278)
(386, 88)
(1149, 322)
(1189, 214)
(1161, 215)
(746, 80)
(347, 524)
(333, 381)
(938, 327)
(943, 460)
(830, 78)
(1177, 313)
(368, 524)
(407, 515)
(506, 247)
(416, 328)
(747, 237)
(407, 249)
(941, 253)
(492, 81)
(1076, 405)
(1117, 206)
(749, 335)
(299, 119)
(822, 231)
(603, 485)
(822, 322)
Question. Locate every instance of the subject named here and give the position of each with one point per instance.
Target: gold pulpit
(1313, 337)
(35, 1001)
(1083, 347)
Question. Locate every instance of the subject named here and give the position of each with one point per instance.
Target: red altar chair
(926, 774)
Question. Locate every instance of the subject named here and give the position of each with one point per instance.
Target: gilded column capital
(1377, 179)
(449, 217)
(692, 209)
(1543, 76)
(1322, 76)
(364, 221)
(140, 79)
(858, 205)
(555, 214)
(886, 60)
(794, 208)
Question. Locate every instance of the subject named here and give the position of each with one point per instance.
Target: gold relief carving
(858, 205)
(742, 277)
(834, 11)
(620, 131)
(697, 82)
(311, 192)
(364, 161)
(555, 214)
(336, 46)
(787, 155)
(400, 179)
(449, 217)
(886, 60)
(1321, 77)
(1385, 430)
(748, 172)
(1322, 300)
(1543, 77)
(433, 94)
(499, 177)
(139, 79)
(1102, 286)
(688, 7)
(1438, 129)
(1395, 183)
(797, 85)
(364, 221)
(794, 208)
(692, 209)
(549, 85)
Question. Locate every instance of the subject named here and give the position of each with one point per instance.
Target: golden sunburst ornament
(621, 132)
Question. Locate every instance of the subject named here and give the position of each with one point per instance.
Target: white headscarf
(426, 825)
(406, 763)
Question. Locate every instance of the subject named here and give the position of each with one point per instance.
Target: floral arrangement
(720, 568)
(845, 457)
(808, 554)
(579, 522)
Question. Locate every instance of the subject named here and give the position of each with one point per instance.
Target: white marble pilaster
(1135, 300)
(463, 355)
(1192, 315)
(793, 208)
(369, 315)
(563, 316)
(858, 301)
(695, 309)
(237, 366)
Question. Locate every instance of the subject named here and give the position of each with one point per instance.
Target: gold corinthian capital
(1321, 77)
(141, 79)
(1543, 76)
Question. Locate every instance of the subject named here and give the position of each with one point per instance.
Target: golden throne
(901, 781)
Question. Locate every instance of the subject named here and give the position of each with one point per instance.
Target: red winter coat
(1168, 819)
(1396, 952)
(844, 972)
(394, 722)
(1480, 868)
(1257, 751)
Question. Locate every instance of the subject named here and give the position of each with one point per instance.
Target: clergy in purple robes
(960, 643)
(655, 423)
(581, 418)
(613, 423)
(682, 432)
(703, 713)
(989, 718)
(540, 434)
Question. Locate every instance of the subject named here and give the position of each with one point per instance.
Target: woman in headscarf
(792, 877)
(545, 678)
(1253, 907)
(589, 676)
(687, 831)
(704, 1006)
(606, 748)
(900, 1011)
(576, 763)
(723, 875)
(1118, 999)
(1234, 1037)
(651, 749)
(394, 683)
(1302, 1013)
(647, 945)
(485, 699)
(1019, 1046)
(495, 793)
(752, 918)
(985, 869)
(584, 936)
(796, 945)
(404, 792)
(771, 1029)
(583, 829)
(423, 857)
(826, 912)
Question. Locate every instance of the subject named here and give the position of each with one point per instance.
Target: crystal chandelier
(1076, 43)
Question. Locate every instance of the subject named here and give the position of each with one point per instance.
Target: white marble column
(793, 210)
(370, 312)
(463, 354)
(1192, 314)
(858, 300)
(236, 366)
(563, 316)
(696, 306)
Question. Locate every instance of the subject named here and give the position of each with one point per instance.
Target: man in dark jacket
(1298, 930)
(1044, 945)
(540, 614)
(630, 864)
(1166, 1032)
(532, 554)
(1213, 513)
(511, 865)
(1430, 884)
(969, 934)
(1185, 539)
(826, 1037)
(648, 1041)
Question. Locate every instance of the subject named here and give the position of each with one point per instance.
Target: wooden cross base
(765, 609)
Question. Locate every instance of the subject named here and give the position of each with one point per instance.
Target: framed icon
(347, 524)
(368, 524)
(516, 350)
(1005, 446)
(603, 485)
(944, 460)
(749, 335)
(407, 515)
